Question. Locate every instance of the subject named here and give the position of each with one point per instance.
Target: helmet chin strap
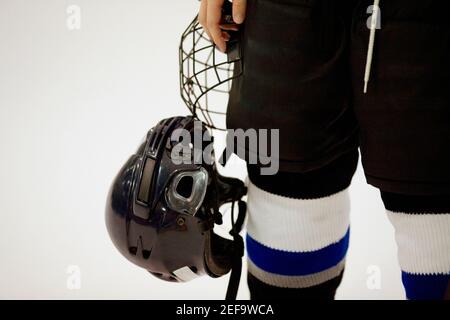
(238, 250)
(232, 190)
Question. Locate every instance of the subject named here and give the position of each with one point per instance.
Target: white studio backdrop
(74, 104)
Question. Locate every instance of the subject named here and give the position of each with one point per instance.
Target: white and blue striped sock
(423, 242)
(295, 243)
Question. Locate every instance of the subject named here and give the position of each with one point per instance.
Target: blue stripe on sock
(425, 287)
(297, 263)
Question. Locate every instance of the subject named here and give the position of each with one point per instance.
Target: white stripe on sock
(423, 242)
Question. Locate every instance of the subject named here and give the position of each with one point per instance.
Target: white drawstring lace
(373, 29)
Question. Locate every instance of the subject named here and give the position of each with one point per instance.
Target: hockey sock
(422, 231)
(298, 232)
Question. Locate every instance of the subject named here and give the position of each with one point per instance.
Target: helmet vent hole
(185, 186)
(194, 269)
(146, 254)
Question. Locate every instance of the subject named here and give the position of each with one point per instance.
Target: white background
(73, 107)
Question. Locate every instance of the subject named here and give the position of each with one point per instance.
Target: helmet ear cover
(187, 191)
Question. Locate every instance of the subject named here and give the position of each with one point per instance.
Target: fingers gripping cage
(206, 74)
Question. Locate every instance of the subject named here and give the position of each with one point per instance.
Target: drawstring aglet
(373, 29)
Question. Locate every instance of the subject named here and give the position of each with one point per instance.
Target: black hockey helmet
(164, 203)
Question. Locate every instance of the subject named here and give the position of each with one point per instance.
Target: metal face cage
(206, 74)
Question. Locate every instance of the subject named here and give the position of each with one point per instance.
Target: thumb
(239, 9)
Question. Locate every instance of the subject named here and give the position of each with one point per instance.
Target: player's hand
(210, 17)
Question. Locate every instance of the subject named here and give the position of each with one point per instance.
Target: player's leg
(295, 79)
(298, 231)
(422, 232)
(405, 133)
